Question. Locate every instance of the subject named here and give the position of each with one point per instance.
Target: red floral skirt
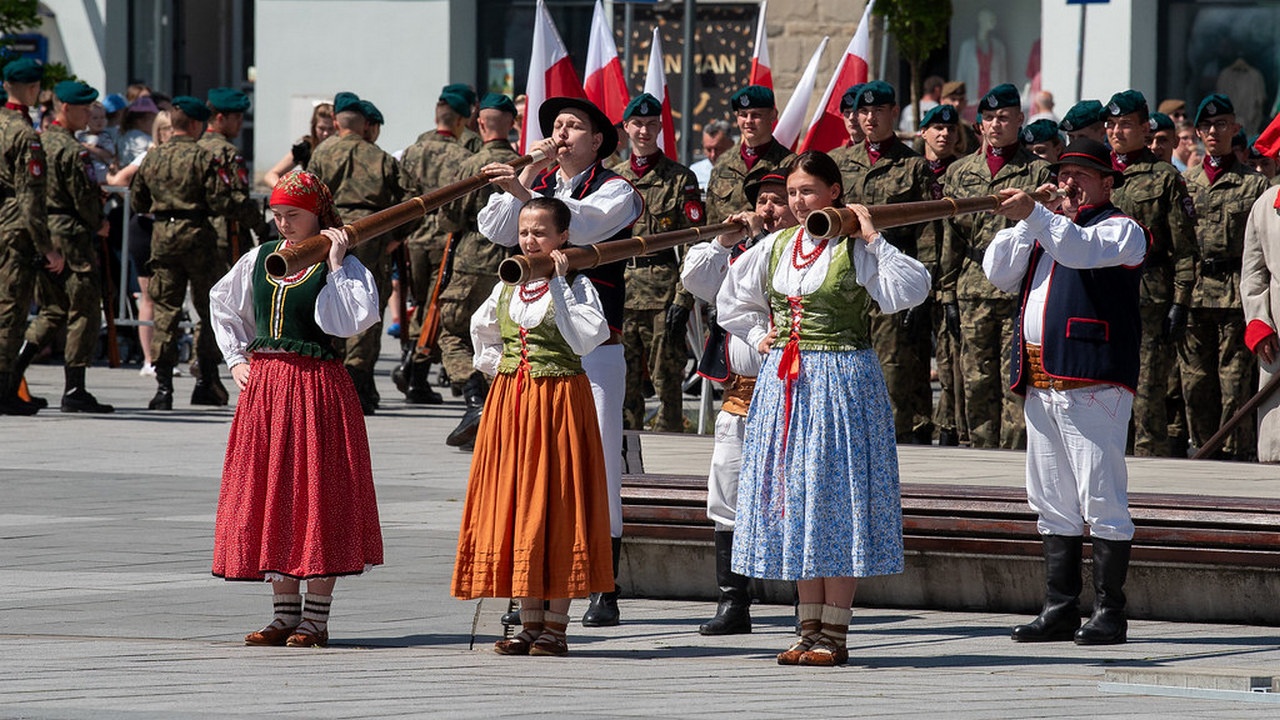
(297, 488)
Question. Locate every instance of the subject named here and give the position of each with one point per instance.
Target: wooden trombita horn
(835, 222)
(291, 258)
(520, 269)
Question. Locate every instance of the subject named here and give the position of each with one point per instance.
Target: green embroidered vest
(549, 355)
(834, 317)
(284, 309)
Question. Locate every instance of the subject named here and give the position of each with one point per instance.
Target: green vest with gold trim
(548, 352)
(833, 317)
(284, 309)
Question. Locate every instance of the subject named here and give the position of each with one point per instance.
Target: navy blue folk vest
(609, 280)
(1092, 329)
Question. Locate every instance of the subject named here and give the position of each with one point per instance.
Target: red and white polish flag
(826, 130)
(791, 121)
(760, 71)
(655, 83)
(606, 85)
(551, 74)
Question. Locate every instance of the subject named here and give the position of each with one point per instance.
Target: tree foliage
(918, 27)
(19, 16)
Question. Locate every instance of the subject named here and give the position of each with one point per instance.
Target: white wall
(1120, 50)
(77, 37)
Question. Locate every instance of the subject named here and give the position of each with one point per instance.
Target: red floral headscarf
(304, 190)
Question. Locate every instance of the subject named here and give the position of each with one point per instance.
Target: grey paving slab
(107, 608)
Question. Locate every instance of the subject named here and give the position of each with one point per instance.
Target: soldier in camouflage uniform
(178, 183)
(24, 234)
(234, 239)
(72, 299)
(1217, 369)
(1084, 119)
(363, 180)
(1155, 195)
(475, 266)
(843, 154)
(884, 170)
(758, 154)
(656, 306)
(987, 313)
(469, 138)
(430, 163)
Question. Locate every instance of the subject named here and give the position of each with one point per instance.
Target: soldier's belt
(171, 215)
(737, 394)
(662, 257)
(1219, 266)
(1042, 380)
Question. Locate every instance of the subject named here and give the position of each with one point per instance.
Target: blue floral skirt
(827, 504)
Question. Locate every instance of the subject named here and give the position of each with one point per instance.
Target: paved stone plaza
(109, 611)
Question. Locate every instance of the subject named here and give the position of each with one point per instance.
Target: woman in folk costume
(818, 497)
(536, 521)
(297, 498)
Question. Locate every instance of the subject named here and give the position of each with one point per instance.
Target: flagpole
(686, 86)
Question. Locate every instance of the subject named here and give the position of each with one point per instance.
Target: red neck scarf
(21, 109)
(875, 150)
(641, 164)
(750, 155)
(1215, 166)
(997, 157)
(303, 190)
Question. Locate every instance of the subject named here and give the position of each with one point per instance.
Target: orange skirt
(536, 519)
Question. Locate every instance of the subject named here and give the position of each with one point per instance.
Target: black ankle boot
(78, 400)
(363, 382)
(948, 437)
(419, 391)
(733, 614)
(209, 389)
(473, 394)
(603, 611)
(26, 355)
(163, 399)
(10, 403)
(1107, 625)
(1061, 614)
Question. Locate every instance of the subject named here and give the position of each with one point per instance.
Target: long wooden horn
(835, 222)
(291, 258)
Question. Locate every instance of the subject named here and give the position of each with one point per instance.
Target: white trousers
(1075, 460)
(606, 369)
(726, 463)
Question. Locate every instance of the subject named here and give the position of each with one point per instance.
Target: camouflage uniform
(948, 415)
(986, 314)
(475, 263)
(233, 228)
(901, 340)
(24, 232)
(1156, 196)
(726, 192)
(672, 201)
(1217, 370)
(469, 139)
(363, 180)
(73, 300)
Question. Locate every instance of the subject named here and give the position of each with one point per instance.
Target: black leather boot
(1107, 625)
(948, 437)
(163, 399)
(209, 389)
(1061, 614)
(26, 354)
(733, 614)
(10, 403)
(603, 611)
(419, 391)
(473, 394)
(78, 400)
(363, 382)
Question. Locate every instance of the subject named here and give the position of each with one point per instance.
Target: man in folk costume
(604, 206)
(1075, 359)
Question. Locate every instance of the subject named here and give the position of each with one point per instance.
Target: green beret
(346, 102)
(1040, 131)
(1001, 96)
(1127, 102)
(753, 96)
(498, 101)
(23, 70)
(371, 112)
(876, 92)
(1159, 121)
(940, 115)
(227, 100)
(849, 100)
(1212, 106)
(74, 92)
(192, 108)
(643, 105)
(457, 103)
(462, 89)
(1239, 139)
(1254, 152)
(1082, 115)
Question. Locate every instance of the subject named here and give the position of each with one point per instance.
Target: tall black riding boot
(1107, 625)
(10, 403)
(419, 391)
(163, 399)
(473, 394)
(733, 614)
(1061, 614)
(26, 354)
(603, 611)
(78, 400)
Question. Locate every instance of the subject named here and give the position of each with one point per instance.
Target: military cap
(940, 115)
(552, 107)
(1172, 106)
(955, 87)
(114, 102)
(1213, 106)
(371, 112)
(849, 100)
(346, 102)
(1040, 131)
(462, 89)
(23, 70)
(1239, 139)
(74, 92)
(1159, 121)
(456, 103)
(753, 185)
(1092, 154)
(1001, 96)
(192, 108)
(227, 100)
(498, 101)
(1127, 102)
(643, 105)
(1081, 115)
(753, 96)
(876, 92)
